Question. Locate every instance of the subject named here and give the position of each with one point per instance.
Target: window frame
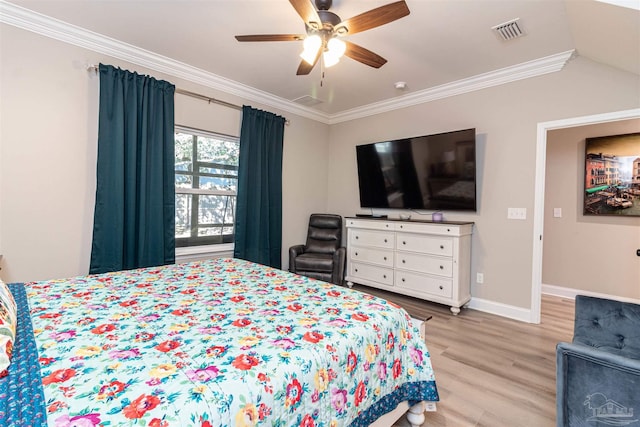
(186, 246)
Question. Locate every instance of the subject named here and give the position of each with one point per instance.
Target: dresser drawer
(433, 229)
(371, 238)
(369, 255)
(370, 224)
(424, 264)
(371, 272)
(434, 245)
(424, 284)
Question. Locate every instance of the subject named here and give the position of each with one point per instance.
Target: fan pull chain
(321, 72)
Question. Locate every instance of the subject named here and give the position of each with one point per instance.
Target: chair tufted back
(324, 234)
(611, 326)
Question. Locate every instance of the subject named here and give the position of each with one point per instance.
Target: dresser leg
(350, 284)
(455, 310)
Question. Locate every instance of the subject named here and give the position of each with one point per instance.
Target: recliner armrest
(339, 260)
(294, 251)
(588, 378)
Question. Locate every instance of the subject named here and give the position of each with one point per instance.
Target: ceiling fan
(324, 30)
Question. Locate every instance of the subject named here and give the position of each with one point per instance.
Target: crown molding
(525, 70)
(59, 30)
(29, 20)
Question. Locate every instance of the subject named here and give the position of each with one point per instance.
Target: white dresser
(423, 259)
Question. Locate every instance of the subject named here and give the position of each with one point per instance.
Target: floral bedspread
(222, 342)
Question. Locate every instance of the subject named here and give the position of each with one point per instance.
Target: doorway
(538, 207)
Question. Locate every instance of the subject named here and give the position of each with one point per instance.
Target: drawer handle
(448, 230)
(385, 240)
(356, 253)
(403, 261)
(442, 267)
(403, 279)
(385, 258)
(404, 243)
(384, 276)
(357, 237)
(441, 246)
(386, 225)
(441, 288)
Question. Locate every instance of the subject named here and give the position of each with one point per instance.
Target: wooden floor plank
(491, 371)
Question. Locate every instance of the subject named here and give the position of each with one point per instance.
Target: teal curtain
(134, 218)
(258, 236)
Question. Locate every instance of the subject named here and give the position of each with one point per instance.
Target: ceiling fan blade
(271, 38)
(376, 17)
(363, 55)
(307, 12)
(305, 68)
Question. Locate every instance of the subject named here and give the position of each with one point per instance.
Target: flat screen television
(432, 172)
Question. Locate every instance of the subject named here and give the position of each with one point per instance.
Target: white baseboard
(524, 314)
(500, 309)
(571, 293)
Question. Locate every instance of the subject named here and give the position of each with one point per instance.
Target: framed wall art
(612, 175)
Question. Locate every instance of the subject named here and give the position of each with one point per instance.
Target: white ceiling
(440, 42)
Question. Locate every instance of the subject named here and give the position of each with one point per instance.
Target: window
(206, 185)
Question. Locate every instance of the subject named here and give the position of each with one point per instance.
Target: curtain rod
(210, 100)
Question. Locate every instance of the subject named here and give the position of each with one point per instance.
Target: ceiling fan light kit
(329, 60)
(337, 47)
(334, 51)
(324, 29)
(311, 46)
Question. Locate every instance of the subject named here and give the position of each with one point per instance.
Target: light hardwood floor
(492, 371)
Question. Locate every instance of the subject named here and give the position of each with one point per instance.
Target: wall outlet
(480, 278)
(557, 212)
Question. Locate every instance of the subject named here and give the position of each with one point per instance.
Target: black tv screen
(434, 172)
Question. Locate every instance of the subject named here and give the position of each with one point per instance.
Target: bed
(221, 342)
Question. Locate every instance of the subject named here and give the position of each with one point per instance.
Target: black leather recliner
(322, 257)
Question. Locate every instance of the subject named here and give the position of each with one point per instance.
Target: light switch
(517, 213)
(557, 212)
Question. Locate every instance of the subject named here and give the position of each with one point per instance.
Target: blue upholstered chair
(598, 374)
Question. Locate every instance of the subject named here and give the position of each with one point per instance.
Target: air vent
(307, 100)
(509, 30)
